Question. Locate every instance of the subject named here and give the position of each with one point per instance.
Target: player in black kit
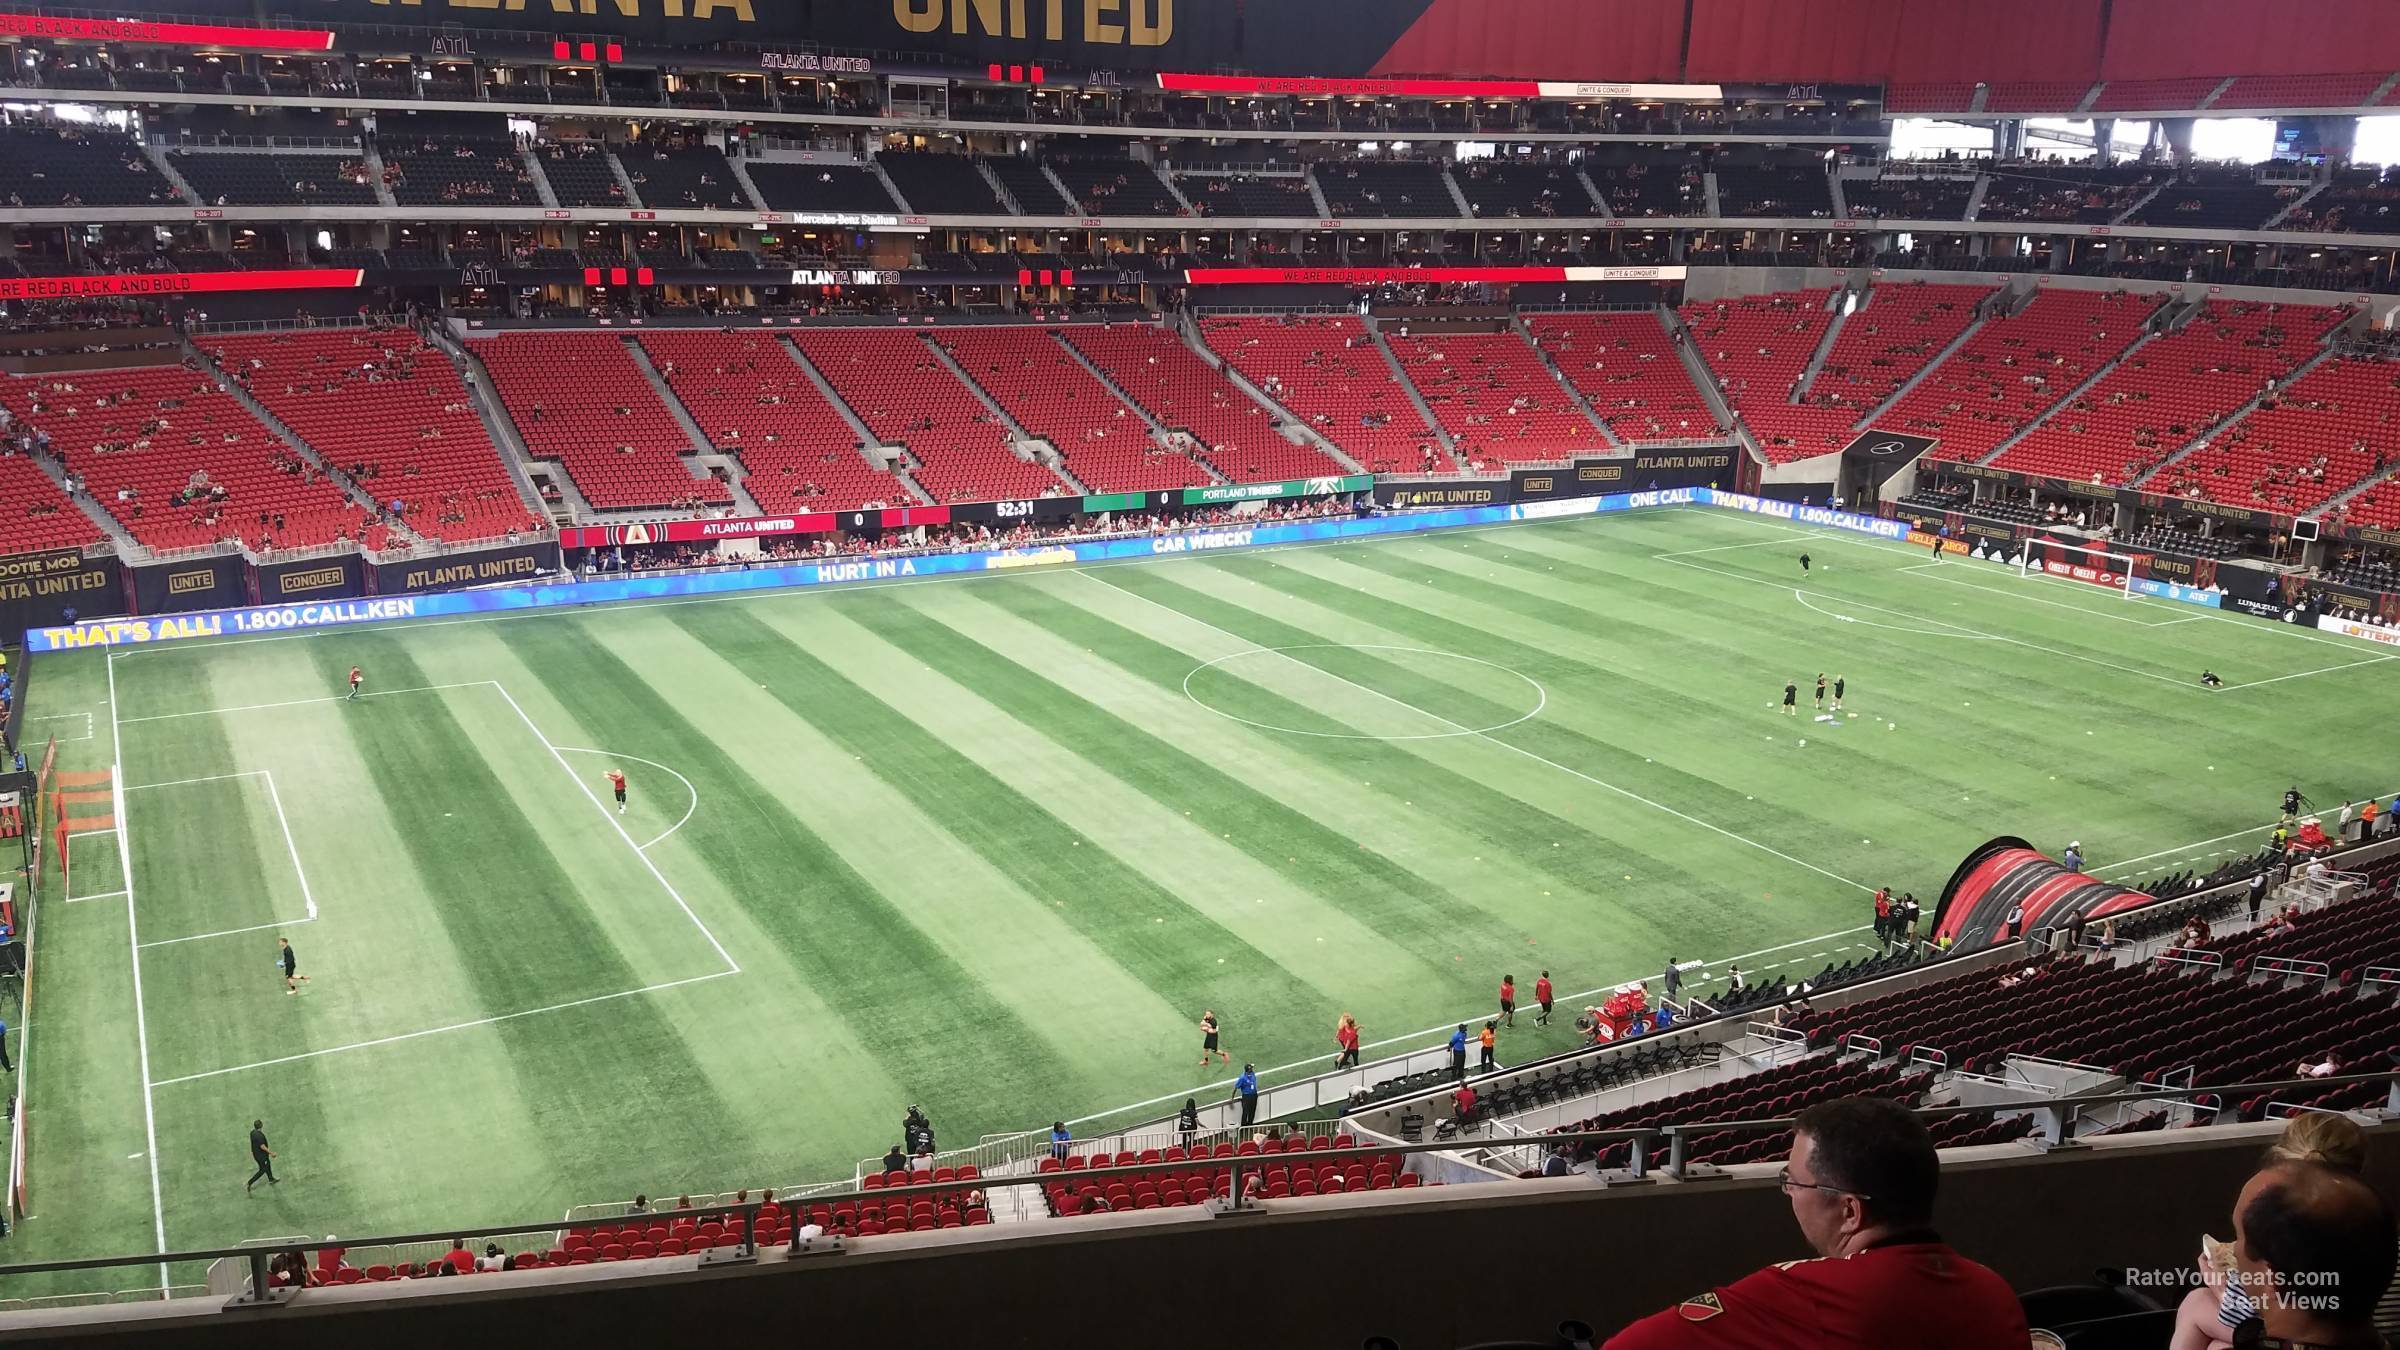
(1791, 698)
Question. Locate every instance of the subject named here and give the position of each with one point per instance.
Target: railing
(185, 139)
(284, 325)
(2382, 975)
(1234, 1191)
(2286, 967)
(2192, 956)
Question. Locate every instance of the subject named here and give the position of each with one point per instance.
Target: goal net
(2082, 562)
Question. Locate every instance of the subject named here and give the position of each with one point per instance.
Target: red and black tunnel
(2008, 872)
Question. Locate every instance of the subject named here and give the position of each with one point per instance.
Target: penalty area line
(423, 1032)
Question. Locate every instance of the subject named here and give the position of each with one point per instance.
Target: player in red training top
(616, 784)
(1861, 1180)
(357, 678)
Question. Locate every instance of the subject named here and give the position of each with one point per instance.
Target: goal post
(2044, 556)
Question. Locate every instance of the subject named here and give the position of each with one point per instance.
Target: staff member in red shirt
(1345, 1042)
(1508, 999)
(1541, 995)
(1861, 1181)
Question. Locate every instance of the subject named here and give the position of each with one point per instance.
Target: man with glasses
(1861, 1182)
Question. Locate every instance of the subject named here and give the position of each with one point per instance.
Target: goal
(2082, 562)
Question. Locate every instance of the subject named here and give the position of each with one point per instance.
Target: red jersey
(616, 780)
(1346, 1037)
(1541, 990)
(1905, 1296)
(354, 675)
(1508, 991)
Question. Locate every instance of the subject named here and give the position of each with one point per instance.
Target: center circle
(1224, 682)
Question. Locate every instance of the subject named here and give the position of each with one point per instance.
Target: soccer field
(992, 845)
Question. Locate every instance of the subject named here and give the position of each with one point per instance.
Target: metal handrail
(1236, 1166)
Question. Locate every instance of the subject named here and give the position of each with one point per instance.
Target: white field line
(1942, 572)
(1856, 541)
(2304, 674)
(68, 862)
(1443, 1029)
(1960, 630)
(436, 1031)
(186, 782)
(732, 967)
(90, 728)
(1493, 740)
(637, 759)
(299, 702)
(2259, 831)
(133, 948)
(228, 932)
(826, 588)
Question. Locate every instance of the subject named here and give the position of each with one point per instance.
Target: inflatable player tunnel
(2008, 872)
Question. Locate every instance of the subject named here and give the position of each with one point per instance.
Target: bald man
(2314, 1248)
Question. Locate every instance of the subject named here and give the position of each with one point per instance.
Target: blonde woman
(2210, 1313)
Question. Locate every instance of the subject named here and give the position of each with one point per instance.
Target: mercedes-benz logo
(1888, 448)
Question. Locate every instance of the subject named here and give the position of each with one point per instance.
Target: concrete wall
(1470, 1264)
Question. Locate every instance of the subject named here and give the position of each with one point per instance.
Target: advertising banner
(1296, 487)
(193, 583)
(1811, 515)
(1443, 492)
(38, 588)
(1873, 456)
(165, 34)
(701, 531)
(238, 622)
(454, 571)
(336, 578)
(1376, 276)
(2186, 506)
(2185, 595)
(2364, 632)
(180, 283)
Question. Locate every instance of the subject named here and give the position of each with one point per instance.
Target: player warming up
(288, 961)
(616, 784)
(2211, 679)
(1804, 564)
(1791, 699)
(1820, 691)
(357, 678)
(1208, 1038)
(1839, 684)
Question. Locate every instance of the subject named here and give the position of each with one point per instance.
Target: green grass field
(992, 845)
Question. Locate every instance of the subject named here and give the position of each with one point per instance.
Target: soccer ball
(1804, 740)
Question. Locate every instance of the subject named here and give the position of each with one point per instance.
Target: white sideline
(422, 1032)
(1567, 1000)
(228, 932)
(1487, 737)
(133, 948)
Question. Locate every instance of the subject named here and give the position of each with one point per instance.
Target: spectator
(917, 1131)
(1187, 1121)
(458, 1258)
(1861, 1179)
(640, 1205)
(2226, 1299)
(1464, 1101)
(2073, 858)
(1558, 1165)
(2322, 1068)
(492, 1259)
(921, 1165)
(896, 1160)
(2313, 1227)
(1060, 1140)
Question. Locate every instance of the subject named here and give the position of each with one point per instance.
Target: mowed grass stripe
(506, 905)
(1523, 807)
(1710, 776)
(582, 694)
(817, 913)
(1290, 892)
(2048, 710)
(1169, 946)
(744, 684)
(1377, 807)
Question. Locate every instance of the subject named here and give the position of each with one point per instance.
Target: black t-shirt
(258, 1143)
(1790, 692)
(291, 959)
(1837, 687)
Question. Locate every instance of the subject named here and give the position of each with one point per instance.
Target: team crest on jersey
(1700, 1308)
